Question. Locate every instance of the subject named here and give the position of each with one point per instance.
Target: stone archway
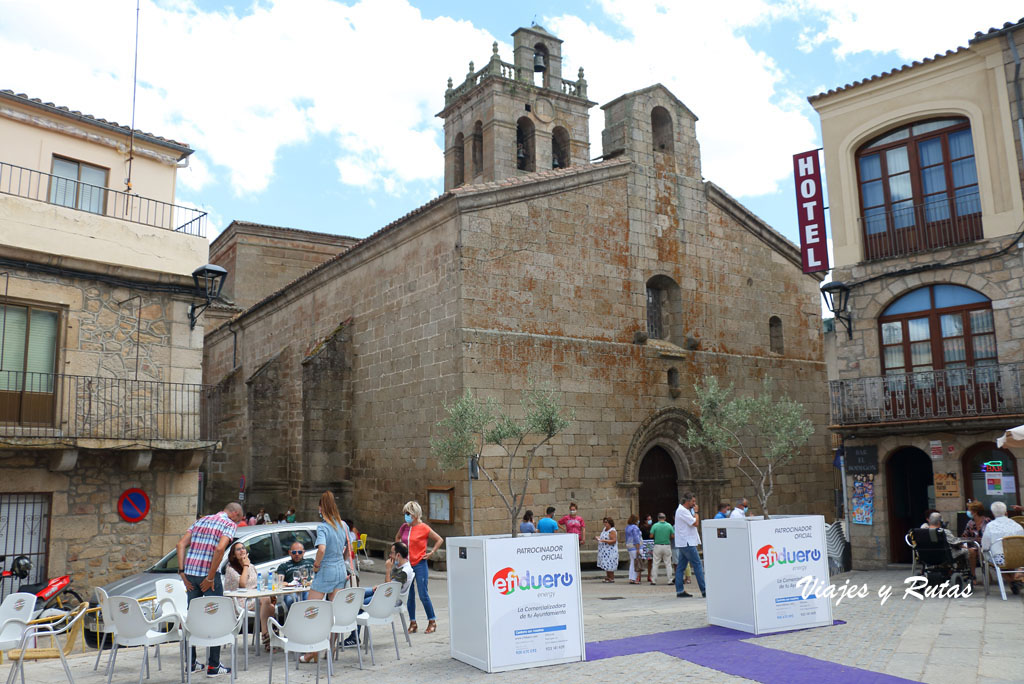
(696, 471)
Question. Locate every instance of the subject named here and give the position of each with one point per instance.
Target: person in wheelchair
(942, 557)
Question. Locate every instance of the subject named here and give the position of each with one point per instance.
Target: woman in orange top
(419, 534)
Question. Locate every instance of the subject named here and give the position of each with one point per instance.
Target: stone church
(619, 282)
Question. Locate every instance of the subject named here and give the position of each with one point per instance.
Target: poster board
(515, 602)
(753, 567)
(947, 485)
(862, 502)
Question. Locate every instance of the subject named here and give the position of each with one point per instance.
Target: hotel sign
(810, 211)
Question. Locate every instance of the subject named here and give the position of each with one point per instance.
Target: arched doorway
(910, 490)
(658, 489)
(987, 472)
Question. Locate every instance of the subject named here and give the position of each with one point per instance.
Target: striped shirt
(206, 534)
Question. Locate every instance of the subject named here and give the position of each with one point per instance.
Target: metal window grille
(24, 531)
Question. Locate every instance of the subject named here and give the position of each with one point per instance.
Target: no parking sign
(133, 505)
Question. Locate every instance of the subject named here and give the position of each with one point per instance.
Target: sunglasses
(296, 553)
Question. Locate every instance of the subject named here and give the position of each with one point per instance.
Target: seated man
(992, 539)
(935, 523)
(296, 560)
(397, 568)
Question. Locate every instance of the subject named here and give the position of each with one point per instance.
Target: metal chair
(133, 628)
(70, 626)
(380, 611)
(1013, 558)
(347, 604)
(212, 622)
(307, 629)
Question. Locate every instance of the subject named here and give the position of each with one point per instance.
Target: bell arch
(696, 470)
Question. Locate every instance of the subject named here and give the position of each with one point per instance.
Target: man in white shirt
(992, 539)
(687, 541)
(740, 509)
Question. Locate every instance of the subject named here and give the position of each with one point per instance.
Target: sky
(320, 114)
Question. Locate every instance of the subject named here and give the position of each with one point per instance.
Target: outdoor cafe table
(258, 594)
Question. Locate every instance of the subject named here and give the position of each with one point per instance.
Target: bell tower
(508, 119)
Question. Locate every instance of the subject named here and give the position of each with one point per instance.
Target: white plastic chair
(307, 629)
(401, 610)
(15, 612)
(63, 626)
(212, 622)
(132, 628)
(347, 604)
(172, 597)
(102, 600)
(380, 611)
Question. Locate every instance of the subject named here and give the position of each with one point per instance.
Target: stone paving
(973, 640)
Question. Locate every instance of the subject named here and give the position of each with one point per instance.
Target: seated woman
(978, 518)
(240, 573)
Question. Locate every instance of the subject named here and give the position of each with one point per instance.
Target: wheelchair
(935, 556)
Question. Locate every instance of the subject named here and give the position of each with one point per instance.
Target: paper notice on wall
(947, 485)
(936, 449)
(1009, 484)
(863, 500)
(993, 484)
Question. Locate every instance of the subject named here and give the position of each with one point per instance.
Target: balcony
(101, 201)
(910, 229)
(947, 396)
(37, 409)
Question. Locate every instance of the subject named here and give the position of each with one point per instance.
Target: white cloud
(913, 30)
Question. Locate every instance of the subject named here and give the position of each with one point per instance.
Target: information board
(785, 551)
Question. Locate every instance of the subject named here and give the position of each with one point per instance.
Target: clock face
(440, 509)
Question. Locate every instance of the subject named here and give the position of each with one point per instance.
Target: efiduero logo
(767, 556)
(507, 580)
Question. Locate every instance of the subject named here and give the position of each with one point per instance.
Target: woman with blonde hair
(332, 549)
(419, 533)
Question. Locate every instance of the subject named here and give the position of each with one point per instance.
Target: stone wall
(87, 536)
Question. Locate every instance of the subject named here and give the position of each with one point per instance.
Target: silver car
(268, 547)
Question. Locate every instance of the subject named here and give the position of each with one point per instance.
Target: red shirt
(573, 525)
(418, 535)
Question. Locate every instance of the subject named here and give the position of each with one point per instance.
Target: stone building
(620, 283)
(924, 176)
(100, 372)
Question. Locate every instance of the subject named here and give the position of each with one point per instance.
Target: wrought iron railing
(94, 199)
(921, 227)
(84, 407)
(930, 395)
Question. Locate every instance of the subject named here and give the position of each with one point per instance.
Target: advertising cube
(515, 602)
(752, 567)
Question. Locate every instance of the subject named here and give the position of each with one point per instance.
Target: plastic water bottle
(259, 581)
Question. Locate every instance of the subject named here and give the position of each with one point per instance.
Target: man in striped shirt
(207, 540)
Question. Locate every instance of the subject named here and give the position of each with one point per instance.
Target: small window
(664, 310)
(661, 128)
(673, 382)
(27, 363)
(460, 161)
(478, 149)
(78, 185)
(559, 148)
(775, 335)
(261, 549)
(525, 159)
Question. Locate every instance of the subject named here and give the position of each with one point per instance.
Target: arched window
(559, 148)
(937, 327)
(460, 161)
(525, 158)
(987, 471)
(664, 310)
(919, 188)
(775, 340)
(540, 65)
(661, 126)
(478, 149)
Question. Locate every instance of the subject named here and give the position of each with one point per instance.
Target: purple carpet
(720, 648)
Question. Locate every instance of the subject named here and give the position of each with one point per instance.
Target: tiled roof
(993, 32)
(885, 74)
(282, 229)
(537, 176)
(978, 37)
(103, 123)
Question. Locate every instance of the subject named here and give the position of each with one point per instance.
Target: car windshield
(168, 564)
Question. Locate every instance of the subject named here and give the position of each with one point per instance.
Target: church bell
(538, 62)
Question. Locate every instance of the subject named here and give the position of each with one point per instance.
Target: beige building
(100, 370)
(620, 283)
(924, 179)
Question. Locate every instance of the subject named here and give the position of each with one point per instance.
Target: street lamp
(209, 281)
(837, 299)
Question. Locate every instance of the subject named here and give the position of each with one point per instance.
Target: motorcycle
(54, 594)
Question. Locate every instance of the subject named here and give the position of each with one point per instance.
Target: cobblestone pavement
(973, 640)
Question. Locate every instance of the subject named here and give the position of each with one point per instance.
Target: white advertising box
(515, 602)
(752, 567)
